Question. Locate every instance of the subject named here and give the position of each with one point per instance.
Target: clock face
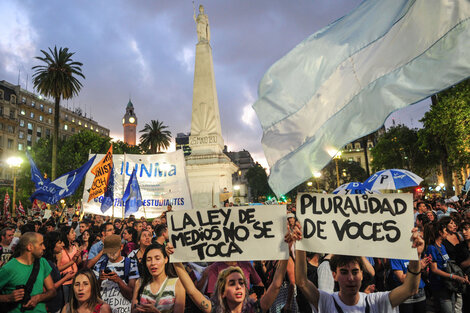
(123, 120)
(131, 119)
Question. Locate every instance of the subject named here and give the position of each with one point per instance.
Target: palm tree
(57, 79)
(155, 137)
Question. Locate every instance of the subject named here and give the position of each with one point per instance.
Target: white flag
(342, 82)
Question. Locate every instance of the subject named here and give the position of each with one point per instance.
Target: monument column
(209, 169)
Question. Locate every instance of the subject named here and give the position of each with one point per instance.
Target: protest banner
(102, 172)
(162, 179)
(230, 233)
(362, 225)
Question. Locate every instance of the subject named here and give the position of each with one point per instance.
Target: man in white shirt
(347, 271)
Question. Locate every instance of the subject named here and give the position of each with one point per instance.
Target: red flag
(21, 209)
(43, 206)
(6, 204)
(35, 208)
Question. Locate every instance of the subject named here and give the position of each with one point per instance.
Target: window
(80, 123)
(41, 107)
(1, 94)
(20, 147)
(23, 112)
(49, 121)
(359, 160)
(1, 141)
(97, 130)
(86, 125)
(1, 126)
(11, 129)
(12, 113)
(357, 146)
(31, 115)
(21, 123)
(49, 110)
(66, 117)
(48, 133)
(21, 134)
(66, 127)
(41, 118)
(33, 104)
(1, 110)
(73, 129)
(23, 100)
(13, 99)
(39, 132)
(10, 144)
(73, 119)
(30, 126)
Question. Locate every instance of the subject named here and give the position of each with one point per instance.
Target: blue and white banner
(36, 175)
(162, 180)
(342, 82)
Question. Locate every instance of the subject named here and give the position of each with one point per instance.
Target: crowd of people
(97, 263)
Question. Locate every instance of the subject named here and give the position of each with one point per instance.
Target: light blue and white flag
(132, 197)
(63, 186)
(342, 82)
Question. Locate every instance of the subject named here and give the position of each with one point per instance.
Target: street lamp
(317, 175)
(14, 163)
(337, 157)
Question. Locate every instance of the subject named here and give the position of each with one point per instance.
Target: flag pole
(123, 183)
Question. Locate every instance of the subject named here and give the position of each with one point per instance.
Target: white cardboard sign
(229, 234)
(362, 225)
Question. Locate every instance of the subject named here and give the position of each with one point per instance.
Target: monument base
(208, 175)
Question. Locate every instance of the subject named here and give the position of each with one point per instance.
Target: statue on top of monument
(202, 25)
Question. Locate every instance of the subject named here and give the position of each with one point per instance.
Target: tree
(398, 148)
(349, 171)
(155, 137)
(57, 79)
(120, 147)
(446, 133)
(258, 182)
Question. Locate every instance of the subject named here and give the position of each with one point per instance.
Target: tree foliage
(57, 78)
(258, 182)
(155, 137)
(349, 171)
(398, 148)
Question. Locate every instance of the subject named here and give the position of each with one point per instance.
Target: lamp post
(317, 175)
(337, 157)
(15, 164)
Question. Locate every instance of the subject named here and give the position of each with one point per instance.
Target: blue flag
(63, 186)
(132, 198)
(108, 197)
(36, 176)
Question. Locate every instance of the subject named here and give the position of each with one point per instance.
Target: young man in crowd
(161, 234)
(118, 226)
(6, 237)
(348, 273)
(96, 251)
(117, 275)
(15, 274)
(443, 209)
(138, 226)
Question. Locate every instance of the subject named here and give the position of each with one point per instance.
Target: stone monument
(209, 169)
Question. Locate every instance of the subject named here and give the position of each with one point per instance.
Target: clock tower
(129, 123)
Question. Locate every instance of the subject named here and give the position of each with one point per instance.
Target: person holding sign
(348, 272)
(231, 290)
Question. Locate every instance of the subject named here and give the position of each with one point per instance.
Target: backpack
(127, 266)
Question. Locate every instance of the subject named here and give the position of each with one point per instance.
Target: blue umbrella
(351, 189)
(392, 179)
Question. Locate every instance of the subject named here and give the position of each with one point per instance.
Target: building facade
(26, 117)
(129, 124)
(244, 161)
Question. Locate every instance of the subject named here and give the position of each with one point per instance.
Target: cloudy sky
(144, 50)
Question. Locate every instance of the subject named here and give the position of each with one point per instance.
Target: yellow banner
(102, 172)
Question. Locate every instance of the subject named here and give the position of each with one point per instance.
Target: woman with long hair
(144, 239)
(86, 295)
(231, 290)
(156, 289)
(85, 241)
(54, 246)
(70, 257)
(445, 298)
(130, 235)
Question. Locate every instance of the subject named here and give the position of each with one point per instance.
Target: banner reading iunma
(162, 180)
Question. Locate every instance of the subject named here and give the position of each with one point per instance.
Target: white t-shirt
(379, 302)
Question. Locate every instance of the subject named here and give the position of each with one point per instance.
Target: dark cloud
(145, 50)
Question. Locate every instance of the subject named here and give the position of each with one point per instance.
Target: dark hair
(103, 227)
(145, 275)
(64, 231)
(342, 260)
(160, 229)
(442, 201)
(4, 230)
(134, 233)
(432, 231)
(27, 228)
(91, 239)
(423, 218)
(50, 240)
